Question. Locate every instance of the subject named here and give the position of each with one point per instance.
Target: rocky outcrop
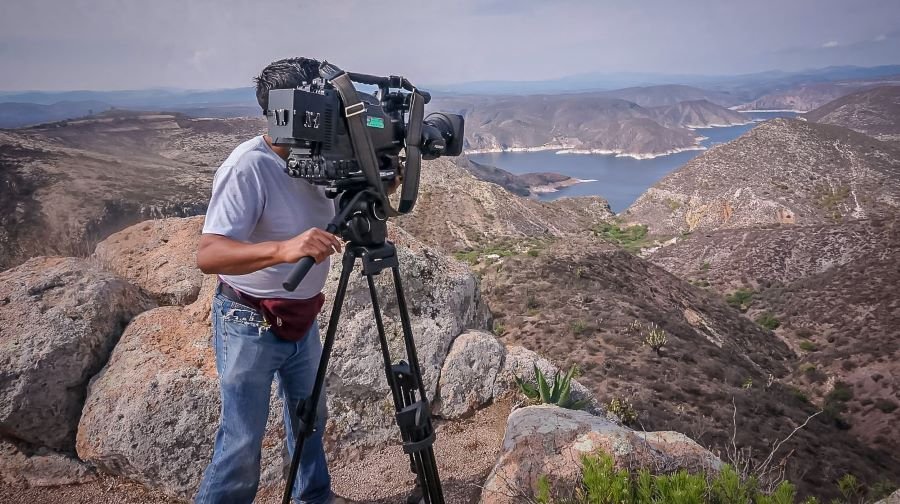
(550, 441)
(480, 369)
(60, 318)
(151, 414)
(159, 256)
(469, 374)
(455, 211)
(894, 498)
(444, 300)
(781, 172)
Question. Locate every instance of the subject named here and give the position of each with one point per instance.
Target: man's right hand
(315, 243)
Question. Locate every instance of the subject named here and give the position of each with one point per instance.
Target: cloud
(881, 38)
(830, 43)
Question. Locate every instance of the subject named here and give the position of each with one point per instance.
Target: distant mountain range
(644, 89)
(745, 86)
(583, 122)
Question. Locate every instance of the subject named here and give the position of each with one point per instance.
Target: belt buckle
(360, 105)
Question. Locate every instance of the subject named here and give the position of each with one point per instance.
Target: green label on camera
(374, 122)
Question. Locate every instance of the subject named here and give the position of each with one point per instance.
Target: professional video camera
(350, 142)
(327, 122)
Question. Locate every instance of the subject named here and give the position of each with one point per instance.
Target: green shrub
(882, 489)
(533, 252)
(579, 327)
(469, 256)
(499, 328)
(850, 487)
(840, 393)
(768, 321)
(740, 299)
(602, 483)
(808, 346)
(886, 405)
(800, 395)
(559, 393)
(531, 302)
(631, 238)
(808, 368)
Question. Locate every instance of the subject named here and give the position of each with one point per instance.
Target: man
(259, 223)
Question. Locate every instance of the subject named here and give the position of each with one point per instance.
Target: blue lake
(618, 179)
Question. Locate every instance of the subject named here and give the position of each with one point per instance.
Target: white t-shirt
(254, 200)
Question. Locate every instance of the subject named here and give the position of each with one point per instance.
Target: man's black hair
(287, 73)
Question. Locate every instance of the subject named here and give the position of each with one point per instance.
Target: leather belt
(230, 294)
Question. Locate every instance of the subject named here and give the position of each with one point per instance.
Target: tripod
(358, 223)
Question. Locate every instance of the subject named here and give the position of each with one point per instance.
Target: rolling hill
(783, 171)
(875, 112)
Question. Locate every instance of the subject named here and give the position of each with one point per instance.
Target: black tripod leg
(400, 397)
(416, 416)
(307, 409)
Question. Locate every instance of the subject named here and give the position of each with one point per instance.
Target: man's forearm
(221, 255)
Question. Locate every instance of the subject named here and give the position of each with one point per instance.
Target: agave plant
(559, 393)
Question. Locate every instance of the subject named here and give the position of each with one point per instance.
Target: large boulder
(479, 369)
(151, 414)
(159, 256)
(59, 321)
(469, 374)
(894, 498)
(547, 441)
(443, 299)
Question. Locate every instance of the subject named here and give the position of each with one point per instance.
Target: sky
(202, 44)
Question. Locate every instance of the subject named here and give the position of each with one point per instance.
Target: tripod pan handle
(298, 273)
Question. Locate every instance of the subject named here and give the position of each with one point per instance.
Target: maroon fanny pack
(290, 319)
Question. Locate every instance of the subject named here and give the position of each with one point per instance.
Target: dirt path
(465, 450)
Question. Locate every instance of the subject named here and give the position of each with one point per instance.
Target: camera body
(313, 121)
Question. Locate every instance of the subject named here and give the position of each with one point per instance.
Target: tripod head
(359, 221)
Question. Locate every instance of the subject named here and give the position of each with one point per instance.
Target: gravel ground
(465, 451)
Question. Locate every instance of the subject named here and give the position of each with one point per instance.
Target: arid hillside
(456, 211)
(671, 94)
(585, 121)
(875, 112)
(811, 95)
(781, 172)
(67, 185)
(576, 300)
(826, 291)
(758, 257)
(697, 114)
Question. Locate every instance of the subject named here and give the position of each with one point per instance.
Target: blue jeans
(248, 357)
